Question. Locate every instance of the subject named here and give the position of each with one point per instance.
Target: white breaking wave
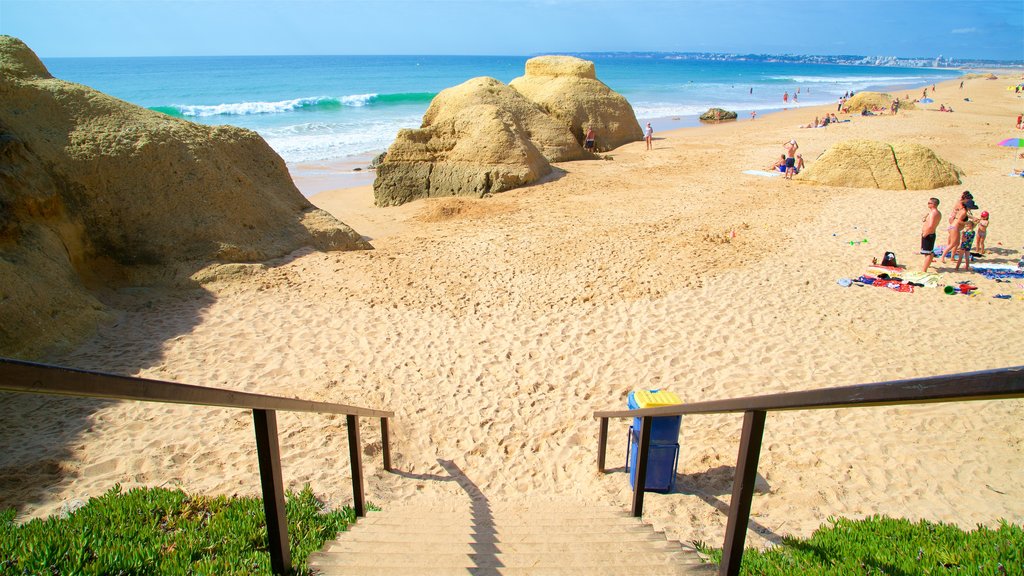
(314, 142)
(859, 80)
(357, 100)
(245, 108)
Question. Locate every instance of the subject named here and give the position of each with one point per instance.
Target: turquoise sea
(323, 109)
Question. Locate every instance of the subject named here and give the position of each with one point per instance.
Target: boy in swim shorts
(931, 222)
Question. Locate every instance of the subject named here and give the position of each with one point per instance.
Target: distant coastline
(937, 62)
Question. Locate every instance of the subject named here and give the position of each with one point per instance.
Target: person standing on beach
(931, 222)
(588, 142)
(649, 136)
(785, 98)
(753, 114)
(961, 84)
(791, 148)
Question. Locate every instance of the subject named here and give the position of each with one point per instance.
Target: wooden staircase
(555, 539)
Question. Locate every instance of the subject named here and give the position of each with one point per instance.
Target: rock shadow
(50, 426)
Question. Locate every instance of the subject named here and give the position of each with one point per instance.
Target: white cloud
(963, 30)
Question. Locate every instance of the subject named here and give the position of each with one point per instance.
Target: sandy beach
(494, 328)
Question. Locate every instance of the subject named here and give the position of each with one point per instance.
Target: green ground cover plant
(895, 547)
(161, 531)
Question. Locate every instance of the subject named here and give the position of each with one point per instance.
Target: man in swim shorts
(791, 148)
(931, 222)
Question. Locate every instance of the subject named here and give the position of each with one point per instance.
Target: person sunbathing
(780, 164)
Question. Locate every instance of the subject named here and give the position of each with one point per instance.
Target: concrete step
(706, 570)
(428, 513)
(400, 538)
(607, 545)
(401, 560)
(498, 533)
(484, 521)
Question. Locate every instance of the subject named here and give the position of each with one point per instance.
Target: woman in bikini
(959, 216)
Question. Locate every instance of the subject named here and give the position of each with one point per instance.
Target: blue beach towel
(994, 271)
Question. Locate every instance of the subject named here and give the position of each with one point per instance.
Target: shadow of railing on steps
(32, 378)
(1004, 383)
(485, 534)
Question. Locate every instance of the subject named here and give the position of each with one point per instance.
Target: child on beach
(649, 135)
(963, 253)
(982, 231)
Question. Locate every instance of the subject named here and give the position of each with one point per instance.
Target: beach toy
(949, 290)
(966, 288)
(1002, 296)
(844, 282)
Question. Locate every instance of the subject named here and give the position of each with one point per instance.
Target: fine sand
(494, 329)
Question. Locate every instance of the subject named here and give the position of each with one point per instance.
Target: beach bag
(889, 259)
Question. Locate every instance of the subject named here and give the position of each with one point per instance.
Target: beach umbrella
(926, 100)
(1013, 143)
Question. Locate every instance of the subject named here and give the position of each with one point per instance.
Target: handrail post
(602, 443)
(742, 492)
(269, 454)
(640, 481)
(385, 443)
(355, 456)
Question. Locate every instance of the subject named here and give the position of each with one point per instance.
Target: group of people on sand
(822, 121)
(790, 163)
(590, 138)
(964, 233)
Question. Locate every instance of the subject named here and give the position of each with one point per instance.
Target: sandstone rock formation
(714, 114)
(869, 101)
(871, 164)
(96, 193)
(482, 136)
(475, 140)
(568, 89)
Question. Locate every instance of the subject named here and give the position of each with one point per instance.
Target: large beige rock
(869, 100)
(100, 193)
(871, 164)
(568, 89)
(477, 138)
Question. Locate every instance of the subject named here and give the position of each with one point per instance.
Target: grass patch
(160, 531)
(895, 547)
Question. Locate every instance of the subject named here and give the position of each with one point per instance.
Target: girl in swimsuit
(982, 231)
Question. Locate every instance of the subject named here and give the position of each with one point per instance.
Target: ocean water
(324, 109)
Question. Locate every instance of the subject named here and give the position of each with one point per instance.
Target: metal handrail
(33, 378)
(1004, 383)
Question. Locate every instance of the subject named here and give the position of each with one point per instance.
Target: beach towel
(893, 285)
(994, 271)
(927, 279)
(762, 173)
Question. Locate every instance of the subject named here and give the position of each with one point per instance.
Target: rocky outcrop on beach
(483, 137)
(477, 138)
(869, 101)
(872, 164)
(715, 114)
(568, 89)
(100, 193)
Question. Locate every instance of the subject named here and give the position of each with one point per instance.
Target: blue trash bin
(664, 429)
(662, 460)
(663, 451)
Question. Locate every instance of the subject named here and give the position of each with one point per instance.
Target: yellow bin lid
(650, 399)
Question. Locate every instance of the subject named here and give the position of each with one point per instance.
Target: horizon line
(735, 55)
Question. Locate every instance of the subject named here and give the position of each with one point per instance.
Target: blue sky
(987, 29)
